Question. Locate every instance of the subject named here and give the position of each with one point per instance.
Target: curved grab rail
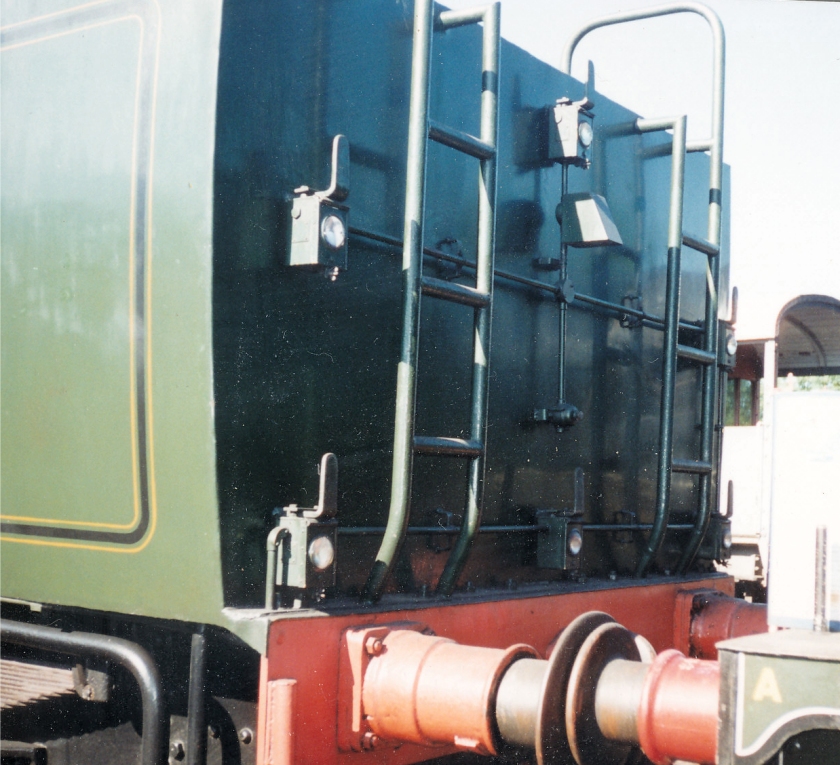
(715, 143)
(710, 336)
(135, 658)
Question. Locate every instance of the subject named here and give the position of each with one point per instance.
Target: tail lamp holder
(560, 541)
(568, 139)
(319, 228)
(717, 543)
(306, 539)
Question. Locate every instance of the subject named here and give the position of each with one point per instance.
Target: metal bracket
(445, 520)
(624, 518)
(566, 144)
(447, 269)
(717, 542)
(565, 291)
(358, 646)
(307, 537)
(562, 415)
(91, 684)
(339, 188)
(561, 544)
(627, 320)
(319, 229)
(540, 263)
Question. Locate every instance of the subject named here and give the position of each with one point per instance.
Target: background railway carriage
(344, 344)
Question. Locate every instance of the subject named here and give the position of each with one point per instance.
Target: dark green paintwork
(777, 687)
(305, 365)
(258, 369)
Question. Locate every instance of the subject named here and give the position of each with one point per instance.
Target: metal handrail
(490, 16)
(715, 143)
(413, 249)
(415, 185)
(710, 334)
(155, 734)
(672, 313)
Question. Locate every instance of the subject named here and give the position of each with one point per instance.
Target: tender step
(463, 142)
(695, 354)
(448, 447)
(691, 466)
(456, 293)
(701, 245)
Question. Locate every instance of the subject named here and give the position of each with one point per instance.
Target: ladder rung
(457, 293)
(691, 466)
(701, 245)
(464, 142)
(695, 354)
(448, 447)
(460, 18)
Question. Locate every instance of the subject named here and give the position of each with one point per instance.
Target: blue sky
(782, 120)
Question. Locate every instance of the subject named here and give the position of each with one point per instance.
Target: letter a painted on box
(767, 687)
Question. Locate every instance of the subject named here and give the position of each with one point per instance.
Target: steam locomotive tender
(359, 393)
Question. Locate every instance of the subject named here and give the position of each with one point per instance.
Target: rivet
(373, 645)
(246, 735)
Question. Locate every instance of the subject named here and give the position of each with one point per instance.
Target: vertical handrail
(711, 374)
(484, 283)
(710, 333)
(415, 192)
(672, 318)
(196, 701)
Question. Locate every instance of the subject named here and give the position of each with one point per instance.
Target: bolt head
(373, 645)
(246, 735)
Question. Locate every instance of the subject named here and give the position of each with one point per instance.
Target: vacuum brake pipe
(601, 692)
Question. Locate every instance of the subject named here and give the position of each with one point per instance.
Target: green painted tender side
(167, 382)
(108, 464)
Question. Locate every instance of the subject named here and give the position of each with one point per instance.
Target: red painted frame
(306, 649)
